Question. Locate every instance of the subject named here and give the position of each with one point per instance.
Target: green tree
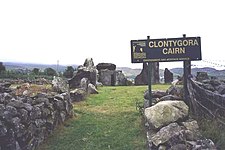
(50, 72)
(2, 67)
(68, 72)
(36, 71)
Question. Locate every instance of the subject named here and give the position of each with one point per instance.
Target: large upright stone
(155, 72)
(59, 85)
(89, 63)
(107, 77)
(166, 112)
(107, 73)
(142, 78)
(87, 71)
(120, 78)
(168, 76)
(84, 84)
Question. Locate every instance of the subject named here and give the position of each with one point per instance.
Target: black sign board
(164, 50)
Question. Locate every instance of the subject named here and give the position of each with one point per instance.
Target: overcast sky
(44, 31)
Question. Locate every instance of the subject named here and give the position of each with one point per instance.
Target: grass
(212, 129)
(33, 89)
(108, 120)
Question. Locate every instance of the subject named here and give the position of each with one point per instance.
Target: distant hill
(211, 71)
(132, 73)
(30, 66)
(129, 72)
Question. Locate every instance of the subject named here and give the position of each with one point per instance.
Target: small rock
(166, 133)
(92, 89)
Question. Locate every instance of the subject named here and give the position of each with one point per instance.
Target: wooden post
(186, 74)
(150, 80)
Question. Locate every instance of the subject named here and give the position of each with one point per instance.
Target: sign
(164, 50)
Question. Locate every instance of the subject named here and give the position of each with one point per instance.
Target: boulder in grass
(78, 95)
(92, 89)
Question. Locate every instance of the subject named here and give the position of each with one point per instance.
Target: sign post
(150, 83)
(183, 49)
(149, 80)
(166, 50)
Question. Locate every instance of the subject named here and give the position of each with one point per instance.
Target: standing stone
(142, 78)
(120, 78)
(107, 73)
(155, 72)
(107, 77)
(89, 63)
(84, 83)
(59, 85)
(87, 71)
(168, 76)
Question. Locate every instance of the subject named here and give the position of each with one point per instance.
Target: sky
(70, 31)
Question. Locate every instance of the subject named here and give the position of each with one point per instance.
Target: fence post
(186, 74)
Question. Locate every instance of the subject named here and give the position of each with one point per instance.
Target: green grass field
(108, 120)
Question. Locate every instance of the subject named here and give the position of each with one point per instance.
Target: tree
(50, 72)
(68, 72)
(2, 67)
(36, 71)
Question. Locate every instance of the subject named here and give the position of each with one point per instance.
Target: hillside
(30, 66)
(129, 72)
(211, 71)
(132, 73)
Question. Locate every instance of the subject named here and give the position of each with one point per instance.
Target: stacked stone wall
(25, 121)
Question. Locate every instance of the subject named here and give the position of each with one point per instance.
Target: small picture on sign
(138, 50)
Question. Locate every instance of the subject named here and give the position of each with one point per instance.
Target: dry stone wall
(169, 126)
(25, 122)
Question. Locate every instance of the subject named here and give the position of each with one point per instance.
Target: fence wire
(205, 102)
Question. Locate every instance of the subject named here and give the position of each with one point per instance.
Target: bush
(50, 72)
(68, 72)
(36, 71)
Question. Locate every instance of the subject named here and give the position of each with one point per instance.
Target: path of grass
(108, 120)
